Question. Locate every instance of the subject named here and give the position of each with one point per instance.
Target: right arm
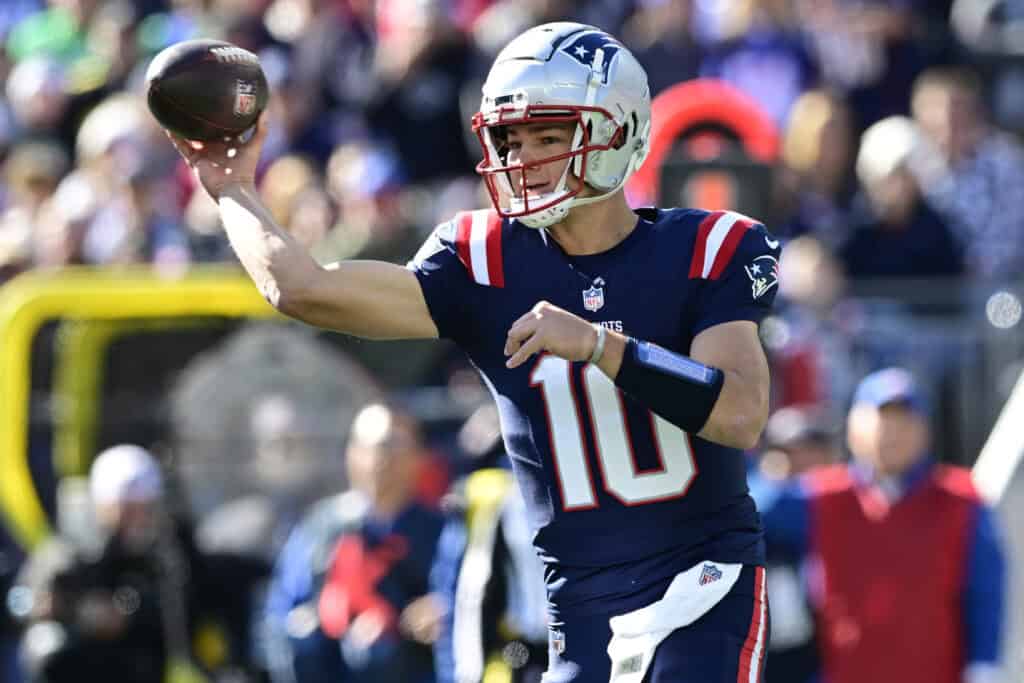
(372, 299)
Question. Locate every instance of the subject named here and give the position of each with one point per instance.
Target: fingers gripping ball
(206, 89)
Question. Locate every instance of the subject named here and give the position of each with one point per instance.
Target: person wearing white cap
(125, 473)
(86, 606)
(125, 610)
(126, 487)
(895, 233)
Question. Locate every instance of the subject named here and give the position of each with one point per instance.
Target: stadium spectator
(285, 473)
(659, 33)
(871, 50)
(31, 173)
(10, 559)
(976, 185)
(366, 182)
(116, 206)
(349, 598)
(990, 30)
(423, 65)
(797, 439)
(292, 187)
(38, 101)
(486, 570)
(128, 607)
(815, 181)
(492, 584)
(895, 233)
(907, 572)
(759, 49)
(810, 340)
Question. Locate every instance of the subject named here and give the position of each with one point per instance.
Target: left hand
(549, 328)
(421, 619)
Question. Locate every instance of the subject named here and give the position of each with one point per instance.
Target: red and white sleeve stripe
(752, 654)
(478, 242)
(718, 237)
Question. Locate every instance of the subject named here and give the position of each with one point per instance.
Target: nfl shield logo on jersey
(593, 298)
(710, 574)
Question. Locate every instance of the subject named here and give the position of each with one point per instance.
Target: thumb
(256, 133)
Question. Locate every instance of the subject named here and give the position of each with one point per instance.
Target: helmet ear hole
(620, 137)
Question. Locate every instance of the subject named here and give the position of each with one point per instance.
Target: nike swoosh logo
(772, 244)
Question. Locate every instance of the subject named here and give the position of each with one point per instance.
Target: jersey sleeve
(448, 288)
(738, 260)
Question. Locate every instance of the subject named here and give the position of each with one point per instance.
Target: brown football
(206, 89)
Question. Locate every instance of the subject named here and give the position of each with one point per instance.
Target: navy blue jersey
(607, 482)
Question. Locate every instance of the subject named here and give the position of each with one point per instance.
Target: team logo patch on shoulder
(763, 274)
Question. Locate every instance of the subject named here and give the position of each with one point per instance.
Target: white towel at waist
(637, 634)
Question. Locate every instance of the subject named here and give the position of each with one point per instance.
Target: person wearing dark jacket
(127, 608)
(895, 233)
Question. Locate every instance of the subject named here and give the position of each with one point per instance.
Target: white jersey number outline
(615, 457)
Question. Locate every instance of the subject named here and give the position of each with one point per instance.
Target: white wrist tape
(602, 335)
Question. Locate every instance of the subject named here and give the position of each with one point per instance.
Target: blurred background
(880, 141)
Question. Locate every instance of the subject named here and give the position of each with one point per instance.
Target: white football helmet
(564, 72)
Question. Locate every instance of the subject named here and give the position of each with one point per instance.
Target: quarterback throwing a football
(620, 346)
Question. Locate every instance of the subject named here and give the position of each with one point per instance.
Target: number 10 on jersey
(620, 474)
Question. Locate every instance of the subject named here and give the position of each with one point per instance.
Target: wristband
(676, 387)
(602, 335)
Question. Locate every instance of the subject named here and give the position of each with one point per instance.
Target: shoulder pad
(718, 236)
(478, 243)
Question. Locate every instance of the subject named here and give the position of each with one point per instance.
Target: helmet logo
(583, 47)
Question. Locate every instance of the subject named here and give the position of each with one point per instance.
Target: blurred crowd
(370, 145)
(901, 158)
(900, 126)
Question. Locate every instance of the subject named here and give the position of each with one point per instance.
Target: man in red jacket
(905, 565)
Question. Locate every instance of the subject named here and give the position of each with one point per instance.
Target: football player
(620, 345)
